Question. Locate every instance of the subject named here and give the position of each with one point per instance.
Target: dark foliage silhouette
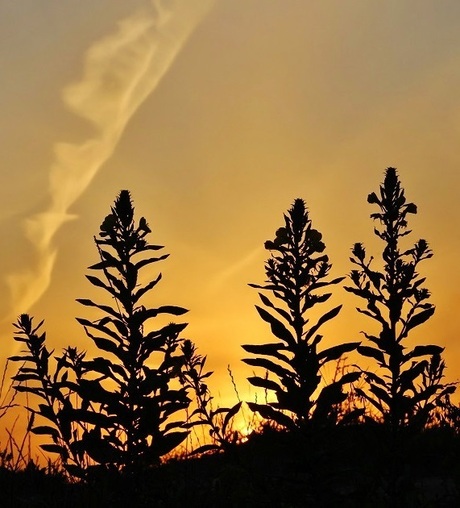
(112, 418)
(65, 420)
(297, 273)
(406, 388)
(217, 420)
(145, 404)
(130, 412)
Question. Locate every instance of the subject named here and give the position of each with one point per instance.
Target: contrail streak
(120, 72)
(220, 279)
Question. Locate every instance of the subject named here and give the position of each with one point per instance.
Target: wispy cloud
(238, 266)
(120, 72)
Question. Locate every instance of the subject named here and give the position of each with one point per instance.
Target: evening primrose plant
(297, 274)
(126, 408)
(409, 383)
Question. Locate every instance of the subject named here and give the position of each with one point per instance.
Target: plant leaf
(278, 328)
(280, 371)
(45, 430)
(372, 352)
(418, 319)
(269, 413)
(164, 444)
(335, 352)
(323, 319)
(424, 351)
(267, 350)
(264, 383)
(231, 413)
(54, 448)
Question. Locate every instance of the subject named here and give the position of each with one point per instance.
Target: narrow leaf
(54, 448)
(264, 383)
(231, 413)
(106, 345)
(168, 442)
(267, 302)
(419, 318)
(424, 351)
(278, 328)
(269, 413)
(267, 350)
(335, 352)
(280, 371)
(323, 319)
(372, 352)
(381, 394)
(45, 430)
(350, 377)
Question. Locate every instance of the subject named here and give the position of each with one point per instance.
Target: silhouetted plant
(446, 414)
(397, 301)
(432, 376)
(217, 420)
(297, 273)
(7, 393)
(351, 410)
(129, 400)
(142, 401)
(65, 420)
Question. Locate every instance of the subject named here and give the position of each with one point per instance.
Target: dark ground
(354, 466)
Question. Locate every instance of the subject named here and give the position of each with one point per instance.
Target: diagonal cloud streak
(120, 72)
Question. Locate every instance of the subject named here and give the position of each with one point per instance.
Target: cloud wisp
(120, 72)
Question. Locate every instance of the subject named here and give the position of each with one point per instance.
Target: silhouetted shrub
(53, 382)
(297, 273)
(406, 388)
(144, 405)
(131, 404)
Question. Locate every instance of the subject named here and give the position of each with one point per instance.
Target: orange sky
(216, 115)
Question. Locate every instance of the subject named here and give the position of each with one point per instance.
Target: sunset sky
(216, 115)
